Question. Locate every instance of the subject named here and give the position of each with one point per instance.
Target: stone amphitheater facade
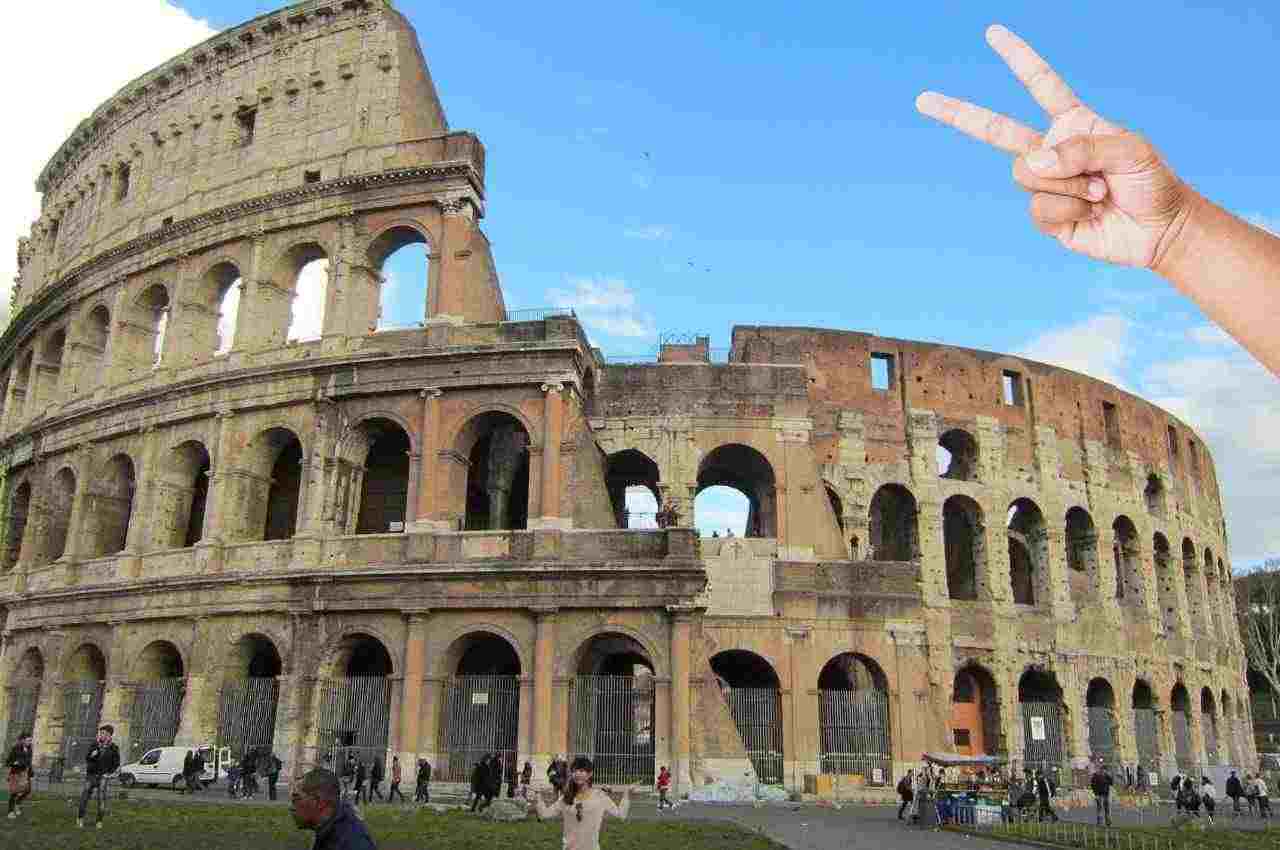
(414, 541)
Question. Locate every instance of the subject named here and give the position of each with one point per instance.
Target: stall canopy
(957, 760)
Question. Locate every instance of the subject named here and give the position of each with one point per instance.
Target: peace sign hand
(1097, 188)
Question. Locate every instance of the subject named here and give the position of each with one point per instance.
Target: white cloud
(649, 233)
(642, 508)
(1097, 347)
(100, 47)
(720, 509)
(307, 321)
(604, 304)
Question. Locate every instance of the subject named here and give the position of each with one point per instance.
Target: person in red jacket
(19, 764)
(664, 785)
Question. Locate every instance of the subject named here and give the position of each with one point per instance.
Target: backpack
(903, 786)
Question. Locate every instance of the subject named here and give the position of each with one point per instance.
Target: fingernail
(1097, 188)
(1042, 160)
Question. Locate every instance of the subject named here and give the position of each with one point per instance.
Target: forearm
(1231, 269)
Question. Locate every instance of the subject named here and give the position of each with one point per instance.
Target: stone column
(429, 731)
(217, 527)
(543, 673)
(551, 435)
(681, 627)
(423, 513)
(415, 668)
(524, 722)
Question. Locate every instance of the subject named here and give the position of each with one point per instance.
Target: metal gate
(154, 715)
(1043, 740)
(482, 717)
(757, 712)
(24, 698)
(1146, 729)
(247, 713)
(612, 724)
(855, 734)
(1102, 733)
(81, 709)
(1181, 740)
(355, 717)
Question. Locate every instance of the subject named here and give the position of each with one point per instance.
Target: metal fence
(1042, 733)
(855, 734)
(538, 314)
(482, 717)
(81, 707)
(154, 715)
(980, 820)
(757, 713)
(355, 716)
(1146, 727)
(23, 697)
(1102, 733)
(1181, 739)
(247, 713)
(612, 724)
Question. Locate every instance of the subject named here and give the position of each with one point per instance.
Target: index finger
(1044, 84)
(982, 124)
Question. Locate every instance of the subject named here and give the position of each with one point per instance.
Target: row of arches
(162, 323)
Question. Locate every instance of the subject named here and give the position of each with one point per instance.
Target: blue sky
(677, 170)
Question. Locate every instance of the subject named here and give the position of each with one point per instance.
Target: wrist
(1181, 245)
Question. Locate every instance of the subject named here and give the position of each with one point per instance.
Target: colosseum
(414, 540)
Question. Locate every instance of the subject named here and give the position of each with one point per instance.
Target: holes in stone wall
(19, 510)
(123, 174)
(1082, 556)
(1166, 582)
(113, 507)
(1028, 540)
(892, 525)
(746, 470)
(957, 455)
(1154, 495)
(963, 540)
(882, 371)
(1012, 389)
(1111, 424)
(385, 489)
(184, 493)
(246, 126)
(61, 499)
(631, 478)
(837, 507)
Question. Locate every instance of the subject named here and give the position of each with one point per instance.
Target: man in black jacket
(422, 793)
(273, 774)
(102, 760)
(1100, 784)
(315, 803)
(19, 764)
(1235, 790)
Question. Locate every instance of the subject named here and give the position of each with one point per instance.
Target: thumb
(1105, 154)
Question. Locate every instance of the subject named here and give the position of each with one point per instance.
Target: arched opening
(82, 690)
(641, 507)
(19, 510)
(1154, 495)
(62, 496)
(384, 488)
(97, 338)
(837, 507)
(1180, 711)
(402, 256)
(964, 542)
(1195, 587)
(957, 456)
(23, 689)
(1028, 538)
(1100, 704)
(250, 695)
(1082, 556)
(752, 691)
(612, 708)
(975, 712)
(1216, 628)
(1166, 582)
(1128, 562)
(113, 507)
(482, 704)
(1044, 722)
(158, 688)
(308, 266)
(1209, 725)
(50, 372)
(497, 450)
(272, 486)
(183, 495)
(221, 293)
(721, 512)
(746, 470)
(21, 387)
(1146, 727)
(627, 471)
(853, 719)
(355, 703)
(153, 305)
(892, 526)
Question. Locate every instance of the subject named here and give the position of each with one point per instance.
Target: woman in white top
(582, 807)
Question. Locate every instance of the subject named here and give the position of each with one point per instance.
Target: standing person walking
(1235, 791)
(664, 787)
(906, 792)
(362, 777)
(19, 764)
(1264, 801)
(274, 766)
(1251, 794)
(102, 760)
(479, 781)
(582, 807)
(396, 776)
(1208, 796)
(422, 791)
(526, 779)
(1044, 793)
(1100, 784)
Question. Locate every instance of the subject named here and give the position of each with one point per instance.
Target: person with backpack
(1044, 793)
(1175, 788)
(422, 790)
(1190, 797)
(1100, 784)
(19, 764)
(1208, 797)
(102, 760)
(906, 792)
(1235, 791)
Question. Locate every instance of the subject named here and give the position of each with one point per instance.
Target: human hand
(1097, 188)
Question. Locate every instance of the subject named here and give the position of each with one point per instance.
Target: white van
(163, 766)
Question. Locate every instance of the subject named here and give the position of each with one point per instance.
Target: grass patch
(1190, 836)
(164, 825)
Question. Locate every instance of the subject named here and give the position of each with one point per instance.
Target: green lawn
(1187, 837)
(157, 825)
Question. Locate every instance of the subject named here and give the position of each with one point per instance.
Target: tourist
(1190, 797)
(1264, 801)
(102, 760)
(479, 781)
(1235, 791)
(274, 766)
(526, 780)
(906, 792)
(495, 779)
(1107, 193)
(396, 776)
(316, 804)
(582, 807)
(422, 789)
(664, 788)
(1175, 788)
(249, 773)
(375, 780)
(348, 775)
(1100, 784)
(1208, 797)
(1251, 793)
(1044, 793)
(19, 764)
(361, 778)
